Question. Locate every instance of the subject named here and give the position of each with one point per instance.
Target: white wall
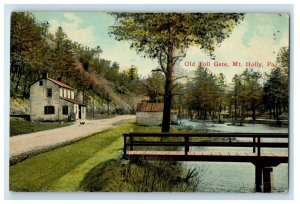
(39, 99)
(149, 118)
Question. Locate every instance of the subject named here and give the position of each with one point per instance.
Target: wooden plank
(224, 154)
(215, 154)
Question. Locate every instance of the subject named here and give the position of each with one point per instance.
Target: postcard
(149, 102)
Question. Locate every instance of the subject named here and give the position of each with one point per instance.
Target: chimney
(45, 75)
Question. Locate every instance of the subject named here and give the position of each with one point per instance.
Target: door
(79, 111)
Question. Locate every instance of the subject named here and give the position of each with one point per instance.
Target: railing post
(258, 145)
(254, 144)
(186, 144)
(258, 177)
(130, 142)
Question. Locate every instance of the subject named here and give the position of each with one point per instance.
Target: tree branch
(176, 58)
(160, 60)
(158, 70)
(179, 78)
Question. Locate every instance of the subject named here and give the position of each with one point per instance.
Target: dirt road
(38, 141)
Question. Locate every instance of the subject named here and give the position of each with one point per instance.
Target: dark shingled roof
(150, 107)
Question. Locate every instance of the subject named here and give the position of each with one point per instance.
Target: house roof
(73, 101)
(150, 107)
(61, 84)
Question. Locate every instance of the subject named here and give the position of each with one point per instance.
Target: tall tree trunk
(168, 91)
(25, 86)
(167, 106)
(18, 82)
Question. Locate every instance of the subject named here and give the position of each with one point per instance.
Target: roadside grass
(18, 127)
(42, 172)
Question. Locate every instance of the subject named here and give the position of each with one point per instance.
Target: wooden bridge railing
(256, 143)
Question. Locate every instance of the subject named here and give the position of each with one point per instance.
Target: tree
(154, 86)
(276, 95)
(132, 73)
(167, 36)
(247, 93)
(27, 50)
(206, 94)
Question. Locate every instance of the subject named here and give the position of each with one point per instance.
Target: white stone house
(152, 114)
(52, 100)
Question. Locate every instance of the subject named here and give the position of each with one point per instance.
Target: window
(41, 83)
(49, 92)
(49, 110)
(65, 110)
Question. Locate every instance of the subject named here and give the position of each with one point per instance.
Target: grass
(77, 167)
(18, 127)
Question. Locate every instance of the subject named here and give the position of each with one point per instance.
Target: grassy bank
(18, 127)
(93, 164)
(142, 176)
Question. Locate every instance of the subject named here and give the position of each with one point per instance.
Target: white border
(123, 7)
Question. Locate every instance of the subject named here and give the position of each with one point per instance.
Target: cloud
(72, 17)
(75, 29)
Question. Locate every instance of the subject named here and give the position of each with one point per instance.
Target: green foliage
(149, 33)
(27, 47)
(246, 94)
(155, 86)
(18, 127)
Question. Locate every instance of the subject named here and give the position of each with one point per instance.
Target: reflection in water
(230, 176)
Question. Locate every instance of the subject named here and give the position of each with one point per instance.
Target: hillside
(36, 52)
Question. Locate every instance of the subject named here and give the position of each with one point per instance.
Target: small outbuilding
(148, 113)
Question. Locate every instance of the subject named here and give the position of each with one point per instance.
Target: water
(246, 128)
(230, 176)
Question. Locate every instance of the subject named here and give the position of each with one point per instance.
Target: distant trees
(246, 94)
(206, 94)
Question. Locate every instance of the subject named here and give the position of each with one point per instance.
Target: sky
(254, 43)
